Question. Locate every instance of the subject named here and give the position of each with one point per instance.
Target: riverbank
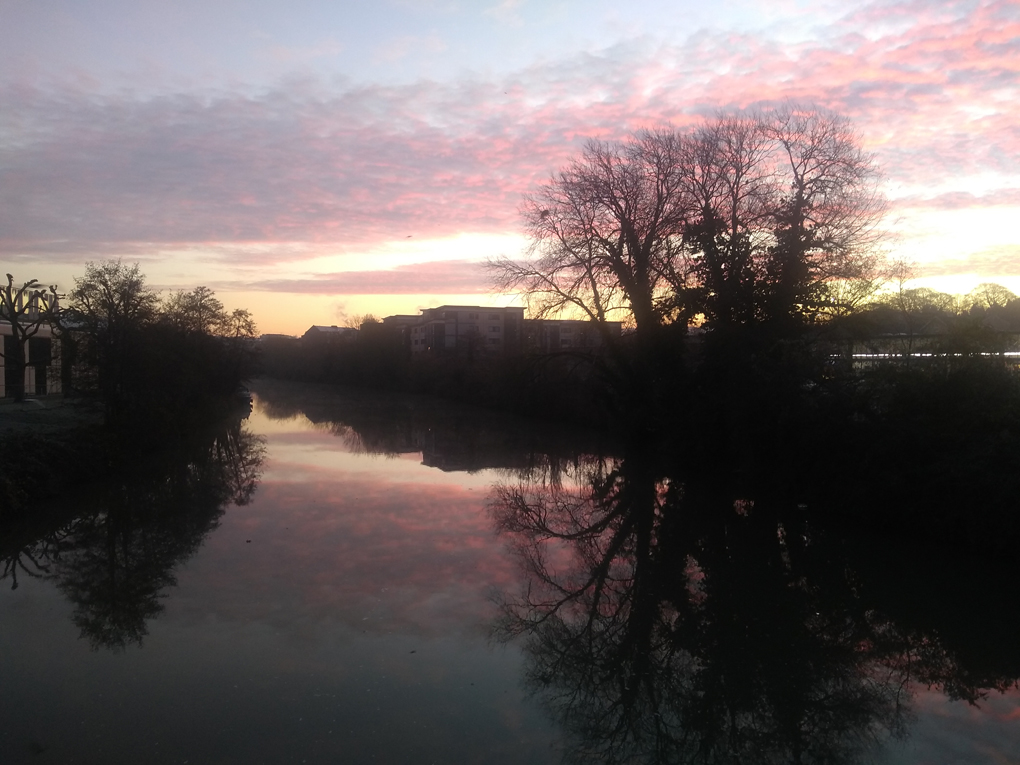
(47, 415)
(47, 444)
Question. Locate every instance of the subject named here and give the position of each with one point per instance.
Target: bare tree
(745, 218)
(357, 320)
(988, 295)
(110, 304)
(27, 309)
(238, 330)
(788, 210)
(606, 235)
(111, 297)
(197, 311)
(826, 223)
(238, 324)
(730, 172)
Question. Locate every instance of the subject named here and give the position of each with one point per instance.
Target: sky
(315, 160)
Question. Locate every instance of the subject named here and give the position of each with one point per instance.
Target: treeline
(157, 361)
(144, 374)
(743, 254)
(985, 319)
(567, 386)
(678, 368)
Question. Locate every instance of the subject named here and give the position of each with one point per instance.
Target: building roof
(477, 308)
(321, 332)
(334, 329)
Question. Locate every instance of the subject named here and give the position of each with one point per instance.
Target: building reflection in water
(450, 437)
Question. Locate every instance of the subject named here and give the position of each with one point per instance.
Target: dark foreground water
(359, 580)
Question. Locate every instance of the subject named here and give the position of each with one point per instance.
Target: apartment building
(466, 329)
(492, 330)
(558, 335)
(318, 333)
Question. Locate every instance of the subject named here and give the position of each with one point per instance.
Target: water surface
(347, 578)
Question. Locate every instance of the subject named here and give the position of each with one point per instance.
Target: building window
(472, 317)
(493, 329)
(493, 317)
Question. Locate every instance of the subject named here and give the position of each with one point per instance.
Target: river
(369, 579)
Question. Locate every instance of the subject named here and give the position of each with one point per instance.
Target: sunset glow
(319, 160)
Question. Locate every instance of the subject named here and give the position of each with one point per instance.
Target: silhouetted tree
(606, 235)
(110, 305)
(988, 295)
(823, 259)
(355, 321)
(238, 324)
(165, 360)
(197, 311)
(744, 219)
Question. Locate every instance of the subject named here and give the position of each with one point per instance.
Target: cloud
(507, 12)
(992, 263)
(280, 173)
(959, 200)
(363, 166)
(406, 46)
(444, 276)
(328, 48)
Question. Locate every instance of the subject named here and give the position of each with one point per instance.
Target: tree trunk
(14, 358)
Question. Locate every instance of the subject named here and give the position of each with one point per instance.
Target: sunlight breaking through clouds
(275, 174)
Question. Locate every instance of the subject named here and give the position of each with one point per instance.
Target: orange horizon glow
(306, 197)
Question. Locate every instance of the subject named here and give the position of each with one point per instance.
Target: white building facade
(42, 363)
(468, 328)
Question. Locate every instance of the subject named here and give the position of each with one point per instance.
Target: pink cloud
(931, 87)
(991, 263)
(959, 200)
(451, 276)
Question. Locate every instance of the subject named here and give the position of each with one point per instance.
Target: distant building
(466, 329)
(323, 334)
(470, 329)
(557, 335)
(42, 363)
(401, 320)
(397, 328)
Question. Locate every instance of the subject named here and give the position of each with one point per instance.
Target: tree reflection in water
(114, 550)
(673, 621)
